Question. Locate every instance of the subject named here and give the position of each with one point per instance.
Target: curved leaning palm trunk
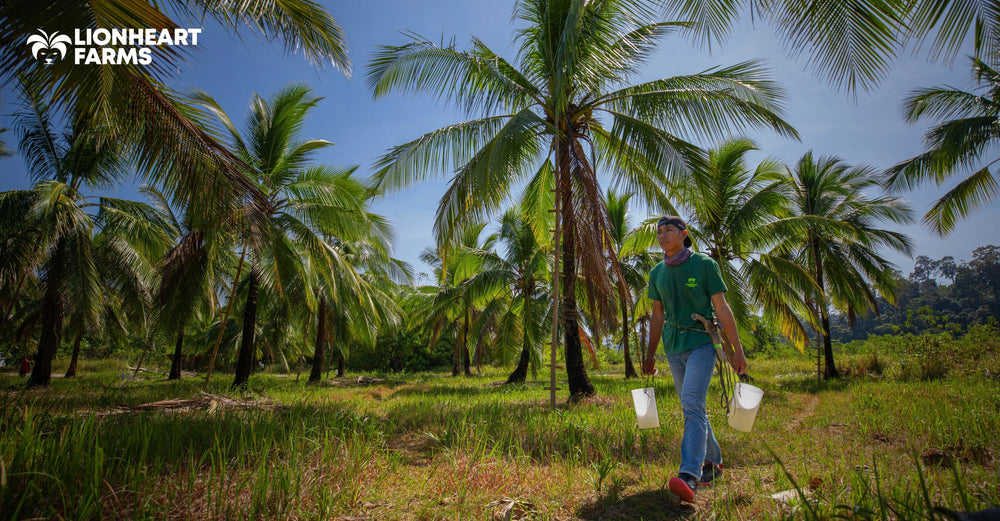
(566, 100)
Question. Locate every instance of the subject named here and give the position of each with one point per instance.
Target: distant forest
(938, 296)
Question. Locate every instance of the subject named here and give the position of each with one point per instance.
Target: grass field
(429, 446)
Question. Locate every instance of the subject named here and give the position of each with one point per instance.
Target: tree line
(942, 295)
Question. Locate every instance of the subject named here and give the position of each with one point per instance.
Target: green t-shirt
(683, 290)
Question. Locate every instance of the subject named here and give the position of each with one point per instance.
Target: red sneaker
(683, 487)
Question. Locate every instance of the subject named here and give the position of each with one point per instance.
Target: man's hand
(649, 366)
(739, 361)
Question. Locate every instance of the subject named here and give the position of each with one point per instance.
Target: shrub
(404, 351)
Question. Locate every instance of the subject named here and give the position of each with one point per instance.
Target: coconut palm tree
(512, 285)
(305, 204)
(736, 216)
(131, 102)
(567, 99)
(451, 307)
(77, 272)
(963, 141)
(839, 239)
(361, 309)
(190, 272)
(632, 247)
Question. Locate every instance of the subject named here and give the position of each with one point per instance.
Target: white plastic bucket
(645, 407)
(743, 408)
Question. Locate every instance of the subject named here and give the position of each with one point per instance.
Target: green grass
(428, 446)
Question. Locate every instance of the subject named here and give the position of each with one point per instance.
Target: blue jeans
(692, 370)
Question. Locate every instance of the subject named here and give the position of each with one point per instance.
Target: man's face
(670, 237)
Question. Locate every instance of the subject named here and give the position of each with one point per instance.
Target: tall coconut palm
(736, 216)
(963, 141)
(304, 204)
(77, 273)
(149, 122)
(567, 98)
(839, 241)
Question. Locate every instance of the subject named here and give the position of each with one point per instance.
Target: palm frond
(972, 193)
(482, 184)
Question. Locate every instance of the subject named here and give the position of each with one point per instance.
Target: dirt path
(807, 411)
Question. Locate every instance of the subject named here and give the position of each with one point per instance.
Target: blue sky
(868, 130)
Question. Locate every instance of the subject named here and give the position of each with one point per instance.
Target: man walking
(683, 284)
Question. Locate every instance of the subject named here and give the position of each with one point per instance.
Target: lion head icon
(49, 46)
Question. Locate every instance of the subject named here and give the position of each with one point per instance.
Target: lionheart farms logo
(108, 46)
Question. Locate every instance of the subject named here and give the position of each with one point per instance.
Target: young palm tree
(305, 204)
(637, 259)
(632, 260)
(839, 239)
(452, 308)
(362, 309)
(965, 140)
(189, 274)
(736, 217)
(512, 284)
(567, 98)
(131, 103)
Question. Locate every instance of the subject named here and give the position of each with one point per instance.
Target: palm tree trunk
(244, 361)
(225, 317)
(318, 355)
(456, 357)
(576, 371)
(629, 367)
(465, 344)
(268, 356)
(175, 366)
(341, 364)
(520, 373)
(830, 371)
(71, 370)
(48, 342)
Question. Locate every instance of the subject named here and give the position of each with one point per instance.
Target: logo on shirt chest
(692, 283)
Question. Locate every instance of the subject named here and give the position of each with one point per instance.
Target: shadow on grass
(647, 505)
(813, 386)
(447, 391)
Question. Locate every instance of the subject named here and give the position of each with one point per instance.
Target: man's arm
(728, 323)
(655, 331)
